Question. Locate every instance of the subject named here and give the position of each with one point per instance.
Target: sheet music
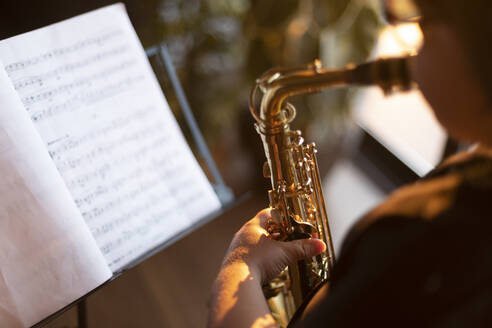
(88, 87)
(48, 257)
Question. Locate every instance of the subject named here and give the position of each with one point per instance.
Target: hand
(264, 256)
(253, 259)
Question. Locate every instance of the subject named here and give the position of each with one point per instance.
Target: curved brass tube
(293, 169)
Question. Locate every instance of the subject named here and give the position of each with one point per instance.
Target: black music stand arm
(82, 314)
(224, 193)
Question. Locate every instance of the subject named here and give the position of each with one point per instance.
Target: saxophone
(291, 165)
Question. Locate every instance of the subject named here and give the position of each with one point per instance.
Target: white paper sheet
(88, 87)
(48, 257)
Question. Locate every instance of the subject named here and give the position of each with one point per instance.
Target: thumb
(303, 248)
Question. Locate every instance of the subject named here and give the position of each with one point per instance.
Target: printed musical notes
(93, 98)
(58, 52)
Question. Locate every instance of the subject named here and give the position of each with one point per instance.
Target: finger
(303, 248)
(264, 217)
(270, 221)
(268, 217)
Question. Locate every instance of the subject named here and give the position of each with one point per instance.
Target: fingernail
(317, 245)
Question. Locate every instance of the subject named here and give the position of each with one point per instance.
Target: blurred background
(368, 145)
(220, 47)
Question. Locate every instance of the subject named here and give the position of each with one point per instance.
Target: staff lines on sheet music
(110, 147)
(120, 220)
(89, 214)
(131, 135)
(126, 235)
(146, 187)
(165, 178)
(154, 165)
(115, 243)
(91, 196)
(63, 51)
(134, 213)
(167, 169)
(90, 156)
(73, 163)
(185, 198)
(151, 219)
(147, 149)
(37, 97)
(86, 98)
(41, 79)
(128, 254)
(121, 182)
(65, 144)
(97, 174)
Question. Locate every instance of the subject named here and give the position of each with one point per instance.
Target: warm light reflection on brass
(409, 35)
(264, 322)
(402, 11)
(293, 170)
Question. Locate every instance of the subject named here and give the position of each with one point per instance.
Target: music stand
(163, 65)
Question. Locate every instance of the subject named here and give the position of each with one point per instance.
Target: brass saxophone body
(293, 169)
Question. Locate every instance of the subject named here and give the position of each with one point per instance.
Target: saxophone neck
(391, 74)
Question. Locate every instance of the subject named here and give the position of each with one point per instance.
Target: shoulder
(461, 183)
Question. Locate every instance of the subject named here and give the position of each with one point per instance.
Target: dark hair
(472, 22)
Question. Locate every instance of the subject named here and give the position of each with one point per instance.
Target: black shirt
(422, 258)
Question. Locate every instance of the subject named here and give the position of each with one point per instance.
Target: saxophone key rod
(293, 169)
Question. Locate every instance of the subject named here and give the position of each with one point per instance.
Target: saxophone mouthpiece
(391, 74)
